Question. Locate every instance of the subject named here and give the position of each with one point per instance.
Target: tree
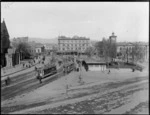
(55, 49)
(137, 53)
(90, 51)
(23, 47)
(99, 47)
(106, 49)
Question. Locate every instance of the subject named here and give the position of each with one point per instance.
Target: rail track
(26, 83)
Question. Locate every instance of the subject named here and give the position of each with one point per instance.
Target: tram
(49, 70)
(68, 67)
(46, 71)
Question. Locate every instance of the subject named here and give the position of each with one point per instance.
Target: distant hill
(50, 40)
(44, 40)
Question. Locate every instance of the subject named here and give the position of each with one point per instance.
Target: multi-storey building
(127, 47)
(75, 45)
(50, 48)
(36, 48)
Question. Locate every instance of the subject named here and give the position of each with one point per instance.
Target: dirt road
(127, 96)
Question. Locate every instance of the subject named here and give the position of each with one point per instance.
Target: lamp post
(80, 64)
(127, 54)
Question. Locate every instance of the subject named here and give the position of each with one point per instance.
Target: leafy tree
(106, 49)
(99, 47)
(137, 53)
(22, 47)
(90, 51)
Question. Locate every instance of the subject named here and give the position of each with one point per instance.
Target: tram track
(27, 84)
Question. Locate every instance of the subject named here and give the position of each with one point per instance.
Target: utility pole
(127, 54)
(80, 68)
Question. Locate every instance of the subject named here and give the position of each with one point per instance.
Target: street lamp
(80, 64)
(127, 54)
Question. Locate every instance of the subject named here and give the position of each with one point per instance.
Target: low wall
(97, 67)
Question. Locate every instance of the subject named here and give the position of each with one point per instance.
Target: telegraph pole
(127, 54)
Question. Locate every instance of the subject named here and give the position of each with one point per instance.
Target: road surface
(128, 95)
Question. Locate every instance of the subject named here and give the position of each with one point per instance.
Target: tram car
(69, 67)
(46, 71)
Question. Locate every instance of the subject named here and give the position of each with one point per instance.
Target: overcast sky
(128, 20)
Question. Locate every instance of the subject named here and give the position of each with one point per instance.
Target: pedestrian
(118, 64)
(64, 70)
(86, 67)
(35, 68)
(40, 79)
(133, 69)
(109, 71)
(6, 82)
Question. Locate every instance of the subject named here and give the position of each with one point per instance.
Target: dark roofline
(96, 63)
(73, 38)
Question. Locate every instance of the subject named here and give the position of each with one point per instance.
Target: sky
(96, 20)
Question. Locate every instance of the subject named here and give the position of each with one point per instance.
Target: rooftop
(73, 38)
(131, 43)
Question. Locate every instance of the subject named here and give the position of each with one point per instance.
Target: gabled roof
(5, 42)
(4, 29)
(131, 43)
(124, 44)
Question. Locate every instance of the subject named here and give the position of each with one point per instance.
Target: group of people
(79, 64)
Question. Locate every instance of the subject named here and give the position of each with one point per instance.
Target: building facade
(113, 38)
(36, 48)
(126, 48)
(49, 47)
(73, 45)
(39, 48)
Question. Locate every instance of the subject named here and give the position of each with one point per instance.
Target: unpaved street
(96, 99)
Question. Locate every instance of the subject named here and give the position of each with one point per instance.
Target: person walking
(40, 79)
(8, 79)
(23, 65)
(6, 82)
(109, 71)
